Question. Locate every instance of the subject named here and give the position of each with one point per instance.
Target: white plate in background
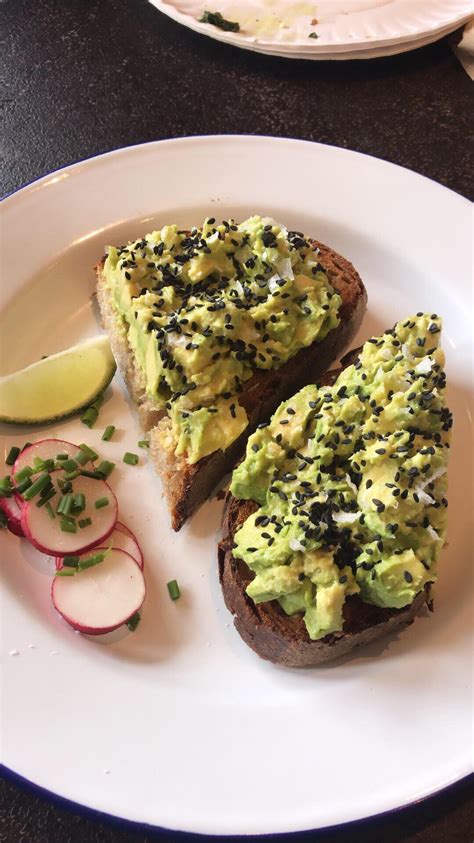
(282, 27)
(180, 724)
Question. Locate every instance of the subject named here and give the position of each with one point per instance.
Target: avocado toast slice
(212, 329)
(337, 515)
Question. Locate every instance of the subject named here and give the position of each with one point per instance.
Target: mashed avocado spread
(351, 482)
(203, 309)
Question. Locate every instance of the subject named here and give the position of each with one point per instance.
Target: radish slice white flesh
(119, 541)
(44, 449)
(103, 597)
(123, 538)
(45, 533)
(13, 512)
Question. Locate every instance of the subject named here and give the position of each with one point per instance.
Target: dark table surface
(86, 76)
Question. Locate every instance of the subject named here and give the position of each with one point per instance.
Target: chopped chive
(81, 457)
(108, 433)
(45, 498)
(71, 475)
(67, 526)
(78, 504)
(70, 465)
(62, 456)
(90, 453)
(64, 505)
(26, 445)
(12, 455)
(65, 572)
(143, 443)
(90, 416)
(43, 465)
(173, 590)
(130, 459)
(92, 560)
(96, 475)
(133, 622)
(23, 474)
(6, 488)
(84, 522)
(23, 486)
(105, 468)
(36, 487)
(70, 561)
(101, 502)
(65, 486)
(50, 511)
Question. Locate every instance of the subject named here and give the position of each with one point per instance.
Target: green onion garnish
(130, 459)
(26, 445)
(84, 522)
(105, 468)
(67, 526)
(62, 456)
(23, 474)
(70, 465)
(90, 453)
(65, 572)
(36, 487)
(90, 416)
(64, 505)
(101, 502)
(71, 475)
(23, 486)
(44, 465)
(78, 504)
(12, 455)
(92, 560)
(70, 561)
(133, 622)
(143, 443)
(81, 457)
(96, 475)
(6, 488)
(50, 511)
(173, 589)
(108, 433)
(44, 498)
(65, 486)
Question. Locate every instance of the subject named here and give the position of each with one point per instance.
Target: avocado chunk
(352, 486)
(204, 309)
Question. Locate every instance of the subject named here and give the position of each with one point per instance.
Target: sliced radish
(124, 539)
(13, 512)
(119, 540)
(45, 533)
(44, 449)
(102, 597)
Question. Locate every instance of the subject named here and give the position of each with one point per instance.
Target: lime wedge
(58, 385)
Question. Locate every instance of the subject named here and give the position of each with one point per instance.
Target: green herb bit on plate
(216, 19)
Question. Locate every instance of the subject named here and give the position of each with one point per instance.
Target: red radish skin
(101, 598)
(13, 512)
(45, 534)
(44, 449)
(119, 540)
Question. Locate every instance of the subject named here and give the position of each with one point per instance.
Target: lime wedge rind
(58, 386)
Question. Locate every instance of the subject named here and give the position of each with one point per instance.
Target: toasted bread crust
(186, 486)
(280, 638)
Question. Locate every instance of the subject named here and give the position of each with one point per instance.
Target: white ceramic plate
(180, 724)
(283, 27)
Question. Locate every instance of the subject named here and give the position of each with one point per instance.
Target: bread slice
(187, 486)
(281, 638)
